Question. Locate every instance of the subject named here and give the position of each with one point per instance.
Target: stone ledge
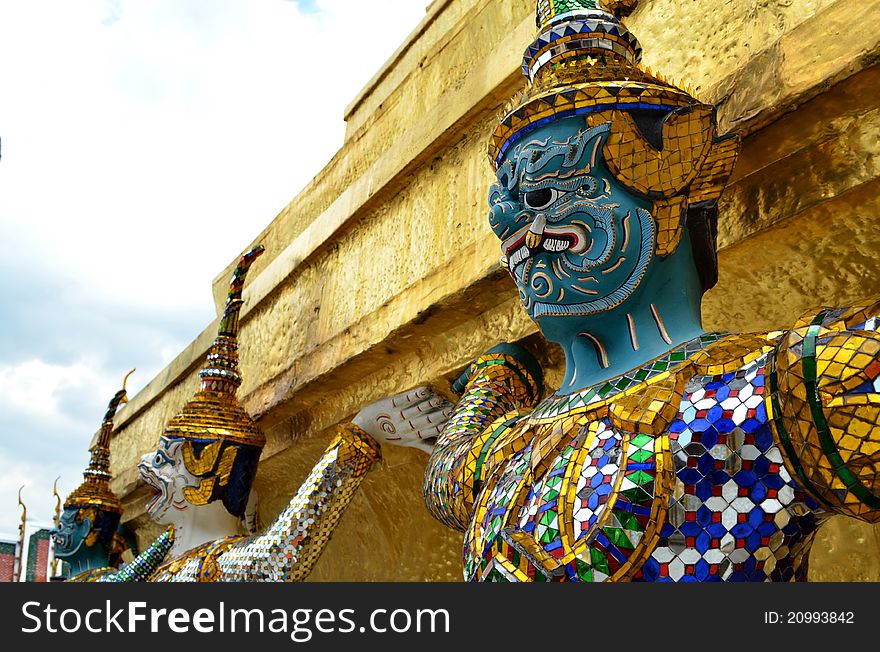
(432, 12)
(805, 62)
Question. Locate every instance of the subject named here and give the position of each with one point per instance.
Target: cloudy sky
(144, 143)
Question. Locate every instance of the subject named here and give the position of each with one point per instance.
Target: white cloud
(32, 389)
(37, 480)
(144, 144)
(160, 144)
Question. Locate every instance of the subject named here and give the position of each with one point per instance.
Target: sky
(145, 143)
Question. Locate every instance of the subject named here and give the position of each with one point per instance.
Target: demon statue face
(79, 527)
(165, 473)
(183, 473)
(608, 228)
(575, 241)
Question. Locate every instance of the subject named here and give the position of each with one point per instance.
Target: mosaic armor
(715, 462)
(143, 566)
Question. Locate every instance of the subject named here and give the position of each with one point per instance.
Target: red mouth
(553, 240)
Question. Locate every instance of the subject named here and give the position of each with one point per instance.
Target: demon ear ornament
(662, 174)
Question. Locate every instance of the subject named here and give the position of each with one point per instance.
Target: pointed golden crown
(214, 413)
(583, 61)
(95, 490)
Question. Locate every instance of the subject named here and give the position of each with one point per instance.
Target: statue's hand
(414, 419)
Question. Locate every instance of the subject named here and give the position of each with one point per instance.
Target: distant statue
(668, 453)
(88, 536)
(203, 469)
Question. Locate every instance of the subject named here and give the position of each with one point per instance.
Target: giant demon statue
(668, 453)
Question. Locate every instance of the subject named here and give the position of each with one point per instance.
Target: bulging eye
(541, 199)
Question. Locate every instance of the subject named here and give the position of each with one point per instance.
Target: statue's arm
(293, 543)
(145, 564)
(496, 389)
(825, 401)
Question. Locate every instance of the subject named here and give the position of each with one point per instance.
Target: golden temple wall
(383, 274)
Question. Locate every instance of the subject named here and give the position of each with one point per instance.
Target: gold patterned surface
(96, 494)
(216, 415)
(651, 408)
(687, 139)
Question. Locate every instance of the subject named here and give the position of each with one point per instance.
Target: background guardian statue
(87, 536)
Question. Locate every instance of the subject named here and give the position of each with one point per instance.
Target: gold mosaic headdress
(95, 491)
(585, 62)
(214, 414)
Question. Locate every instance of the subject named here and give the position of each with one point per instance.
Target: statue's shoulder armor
(825, 402)
(733, 352)
(505, 437)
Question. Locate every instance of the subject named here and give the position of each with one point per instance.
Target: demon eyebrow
(572, 150)
(549, 153)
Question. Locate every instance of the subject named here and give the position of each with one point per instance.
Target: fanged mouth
(155, 499)
(552, 240)
(155, 488)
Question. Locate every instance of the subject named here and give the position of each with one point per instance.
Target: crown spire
(583, 61)
(95, 490)
(571, 32)
(221, 374)
(215, 413)
(234, 302)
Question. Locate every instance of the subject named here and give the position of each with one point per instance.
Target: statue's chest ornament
(586, 500)
(197, 565)
(592, 514)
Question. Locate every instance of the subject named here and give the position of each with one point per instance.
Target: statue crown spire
(234, 302)
(215, 413)
(583, 61)
(95, 490)
(221, 373)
